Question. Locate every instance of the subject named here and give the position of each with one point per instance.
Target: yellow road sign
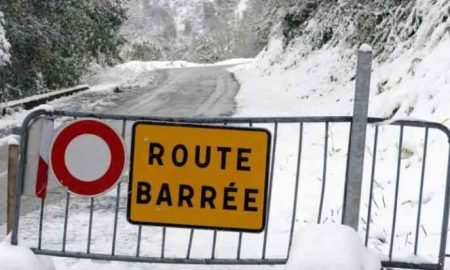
(199, 176)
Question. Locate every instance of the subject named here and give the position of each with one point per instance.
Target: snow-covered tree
(200, 30)
(53, 41)
(4, 58)
(4, 44)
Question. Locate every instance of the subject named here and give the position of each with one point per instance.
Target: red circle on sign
(66, 178)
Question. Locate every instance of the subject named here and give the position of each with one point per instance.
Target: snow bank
(21, 258)
(133, 74)
(136, 74)
(45, 107)
(331, 247)
(234, 61)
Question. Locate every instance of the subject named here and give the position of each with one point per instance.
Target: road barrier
(307, 176)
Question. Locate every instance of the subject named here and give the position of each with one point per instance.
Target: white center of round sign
(88, 157)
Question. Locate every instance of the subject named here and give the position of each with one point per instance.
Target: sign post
(199, 176)
(355, 161)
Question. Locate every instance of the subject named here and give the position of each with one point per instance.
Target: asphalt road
(200, 92)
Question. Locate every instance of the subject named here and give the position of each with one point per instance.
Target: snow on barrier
(33, 101)
(403, 217)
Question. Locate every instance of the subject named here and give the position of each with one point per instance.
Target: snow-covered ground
(18, 258)
(410, 83)
(340, 245)
(413, 81)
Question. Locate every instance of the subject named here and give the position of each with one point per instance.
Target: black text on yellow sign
(199, 176)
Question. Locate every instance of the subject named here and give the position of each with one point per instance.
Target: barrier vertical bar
(445, 218)
(324, 174)
(269, 196)
(91, 214)
(213, 248)
(66, 218)
(116, 212)
(191, 236)
(138, 248)
(422, 178)
(297, 180)
(41, 222)
(163, 244)
(355, 162)
(372, 181)
(397, 187)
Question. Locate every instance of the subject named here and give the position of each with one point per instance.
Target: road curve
(199, 92)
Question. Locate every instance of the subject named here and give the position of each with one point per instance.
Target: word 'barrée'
(206, 197)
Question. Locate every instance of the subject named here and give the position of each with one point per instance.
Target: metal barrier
(305, 167)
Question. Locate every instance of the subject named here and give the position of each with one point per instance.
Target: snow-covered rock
(21, 258)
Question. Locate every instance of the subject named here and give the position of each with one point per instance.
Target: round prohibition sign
(58, 157)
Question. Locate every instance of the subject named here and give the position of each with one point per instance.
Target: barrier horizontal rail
(281, 128)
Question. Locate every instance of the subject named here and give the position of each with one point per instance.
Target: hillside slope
(309, 67)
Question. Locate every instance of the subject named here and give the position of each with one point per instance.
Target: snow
(365, 48)
(331, 247)
(242, 7)
(21, 258)
(414, 79)
(411, 83)
(47, 108)
(235, 61)
(11, 139)
(135, 74)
